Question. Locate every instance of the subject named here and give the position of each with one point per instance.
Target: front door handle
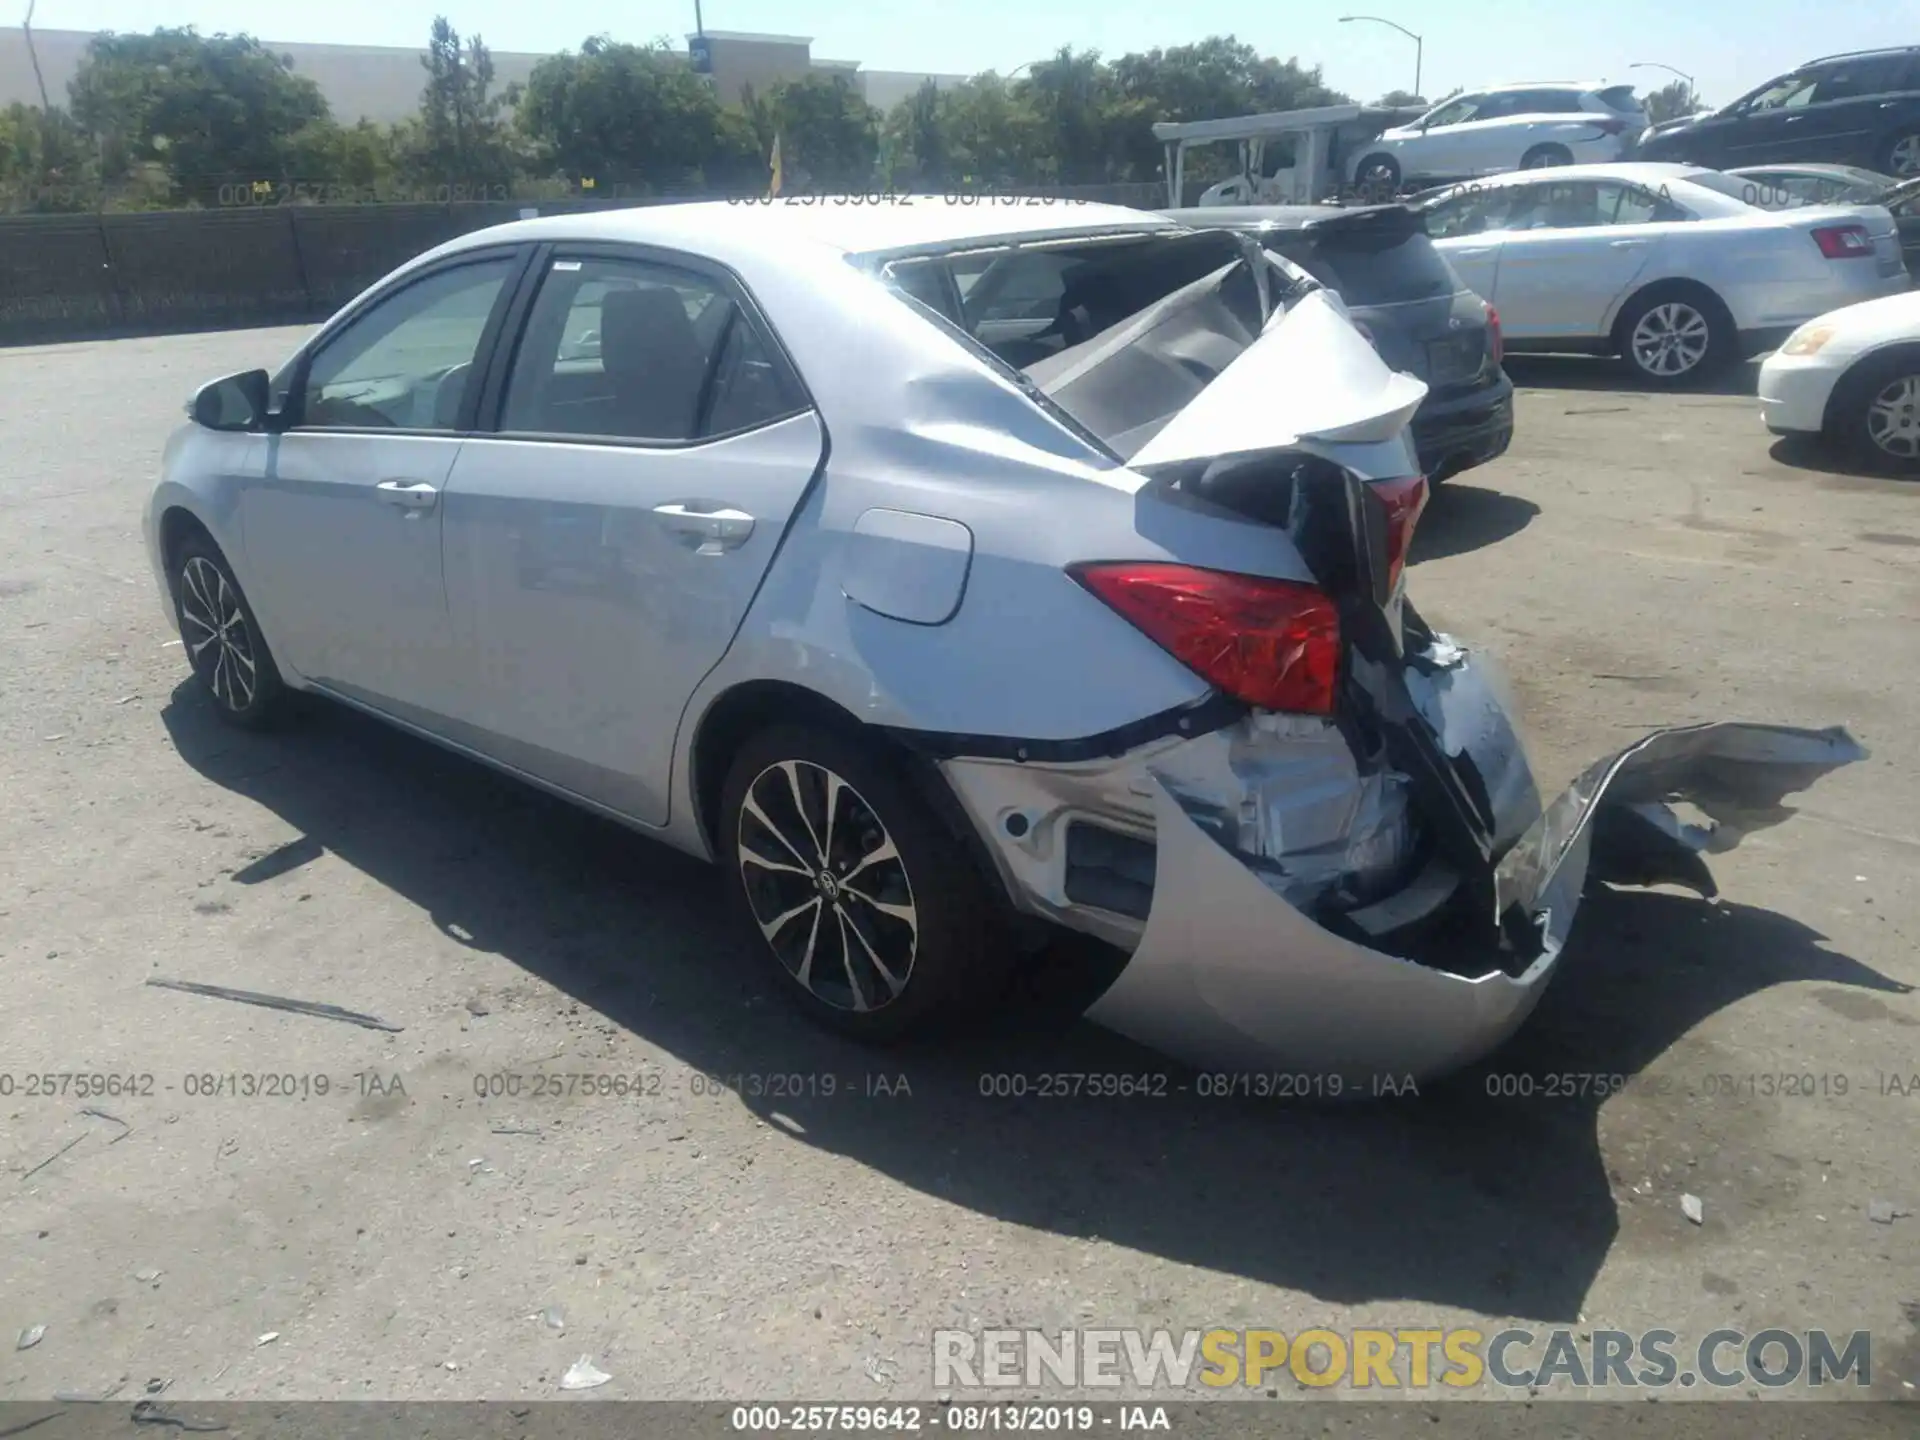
(407, 494)
(708, 531)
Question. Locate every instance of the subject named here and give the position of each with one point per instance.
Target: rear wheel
(1877, 414)
(876, 919)
(1541, 157)
(1676, 337)
(1900, 155)
(222, 639)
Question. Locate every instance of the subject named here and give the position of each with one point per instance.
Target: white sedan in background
(1665, 265)
(1853, 378)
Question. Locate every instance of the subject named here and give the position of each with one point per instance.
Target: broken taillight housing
(1405, 500)
(1271, 643)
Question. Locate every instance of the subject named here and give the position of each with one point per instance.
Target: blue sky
(1729, 46)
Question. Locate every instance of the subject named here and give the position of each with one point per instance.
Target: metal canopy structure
(1319, 137)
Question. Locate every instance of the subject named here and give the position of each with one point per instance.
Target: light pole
(1419, 46)
(1656, 65)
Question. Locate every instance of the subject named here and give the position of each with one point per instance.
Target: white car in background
(1853, 378)
(1508, 127)
(1664, 265)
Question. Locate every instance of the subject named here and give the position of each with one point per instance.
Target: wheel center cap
(829, 887)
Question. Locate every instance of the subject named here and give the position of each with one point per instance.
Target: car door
(1436, 148)
(1467, 228)
(1766, 128)
(605, 537)
(341, 523)
(1564, 260)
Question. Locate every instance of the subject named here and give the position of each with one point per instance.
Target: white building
(383, 82)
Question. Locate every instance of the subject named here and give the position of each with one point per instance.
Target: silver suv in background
(1505, 127)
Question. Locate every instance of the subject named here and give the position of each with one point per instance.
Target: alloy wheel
(1671, 339)
(1904, 157)
(1893, 419)
(827, 886)
(218, 639)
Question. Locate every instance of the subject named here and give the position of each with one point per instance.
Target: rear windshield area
(1116, 334)
(1388, 263)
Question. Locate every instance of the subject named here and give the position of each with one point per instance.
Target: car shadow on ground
(1456, 1197)
(1812, 453)
(1603, 372)
(1460, 518)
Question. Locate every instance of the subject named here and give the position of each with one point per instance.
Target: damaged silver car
(949, 573)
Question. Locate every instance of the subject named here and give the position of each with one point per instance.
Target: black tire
(222, 638)
(1377, 177)
(1544, 157)
(1899, 154)
(1665, 325)
(1876, 414)
(916, 946)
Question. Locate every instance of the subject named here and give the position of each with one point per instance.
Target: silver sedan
(944, 613)
(1668, 266)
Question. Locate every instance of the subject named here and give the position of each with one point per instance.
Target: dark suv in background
(1409, 302)
(1857, 109)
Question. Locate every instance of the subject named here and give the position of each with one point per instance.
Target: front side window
(1454, 112)
(406, 362)
(1563, 205)
(1788, 92)
(1473, 212)
(626, 349)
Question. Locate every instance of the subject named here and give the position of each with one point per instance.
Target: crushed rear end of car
(1339, 865)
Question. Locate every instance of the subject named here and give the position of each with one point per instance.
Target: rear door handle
(1628, 244)
(407, 494)
(708, 531)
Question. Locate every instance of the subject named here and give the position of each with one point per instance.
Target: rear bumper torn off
(1291, 914)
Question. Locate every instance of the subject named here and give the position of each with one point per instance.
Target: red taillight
(1405, 499)
(1271, 643)
(1496, 342)
(1843, 242)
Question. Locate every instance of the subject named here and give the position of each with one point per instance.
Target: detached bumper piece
(1229, 975)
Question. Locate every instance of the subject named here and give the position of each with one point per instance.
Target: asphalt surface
(1636, 560)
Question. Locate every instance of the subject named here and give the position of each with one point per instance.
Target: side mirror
(237, 402)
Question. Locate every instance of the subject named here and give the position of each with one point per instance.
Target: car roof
(850, 225)
(1237, 217)
(1579, 85)
(1650, 173)
(1849, 172)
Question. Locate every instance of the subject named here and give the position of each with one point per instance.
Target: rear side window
(1542, 102)
(629, 350)
(1618, 97)
(1857, 79)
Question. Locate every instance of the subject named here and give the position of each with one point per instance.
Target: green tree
(211, 110)
(636, 117)
(361, 159)
(1671, 101)
(1399, 99)
(461, 138)
(46, 162)
(829, 136)
(916, 144)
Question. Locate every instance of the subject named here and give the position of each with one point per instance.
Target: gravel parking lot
(1636, 559)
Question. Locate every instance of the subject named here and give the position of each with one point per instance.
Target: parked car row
(1860, 110)
(947, 603)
